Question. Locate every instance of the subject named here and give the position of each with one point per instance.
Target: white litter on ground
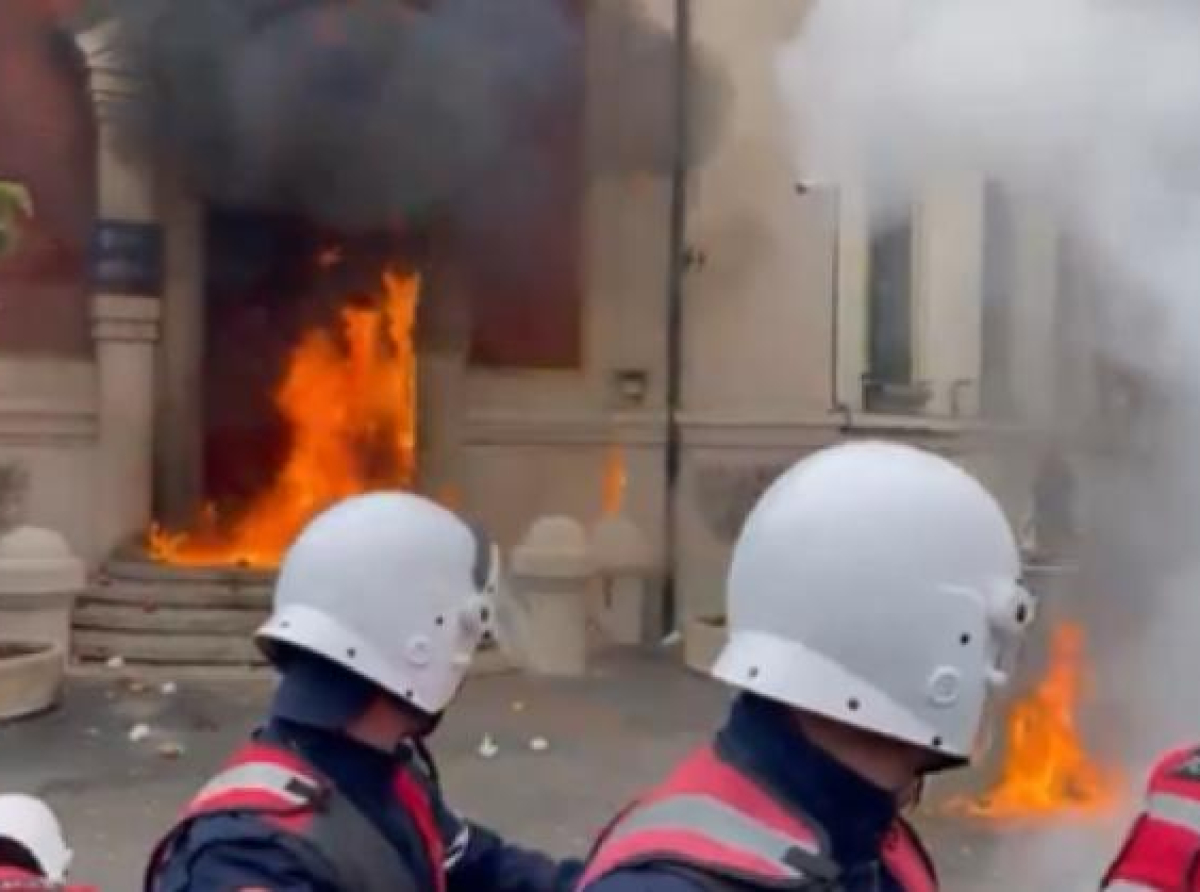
(139, 732)
(488, 747)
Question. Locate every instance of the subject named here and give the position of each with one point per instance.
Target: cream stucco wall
(536, 441)
(775, 323)
(773, 339)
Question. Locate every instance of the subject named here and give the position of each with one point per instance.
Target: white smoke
(1093, 105)
(1093, 108)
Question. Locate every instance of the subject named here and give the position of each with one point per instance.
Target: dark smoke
(632, 73)
(356, 114)
(360, 114)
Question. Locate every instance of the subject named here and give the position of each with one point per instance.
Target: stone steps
(165, 650)
(165, 617)
(148, 614)
(98, 616)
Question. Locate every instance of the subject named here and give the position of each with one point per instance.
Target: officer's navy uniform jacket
(303, 808)
(760, 808)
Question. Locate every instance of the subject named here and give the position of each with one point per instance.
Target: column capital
(119, 318)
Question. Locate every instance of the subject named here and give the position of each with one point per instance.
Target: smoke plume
(1092, 107)
(363, 114)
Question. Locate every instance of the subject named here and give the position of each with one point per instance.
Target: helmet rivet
(944, 686)
(418, 651)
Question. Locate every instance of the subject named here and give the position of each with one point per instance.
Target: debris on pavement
(116, 662)
(488, 747)
(672, 639)
(169, 688)
(539, 744)
(170, 749)
(139, 733)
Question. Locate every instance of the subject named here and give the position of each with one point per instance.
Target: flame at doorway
(1047, 771)
(349, 405)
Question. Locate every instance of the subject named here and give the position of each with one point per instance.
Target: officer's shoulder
(239, 847)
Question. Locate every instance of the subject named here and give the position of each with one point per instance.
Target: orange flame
(350, 408)
(1047, 771)
(616, 482)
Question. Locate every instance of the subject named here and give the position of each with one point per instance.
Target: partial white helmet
(394, 588)
(29, 822)
(878, 585)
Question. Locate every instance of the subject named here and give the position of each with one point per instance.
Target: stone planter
(31, 678)
(39, 581)
(703, 639)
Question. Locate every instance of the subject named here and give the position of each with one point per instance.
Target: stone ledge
(516, 429)
(47, 401)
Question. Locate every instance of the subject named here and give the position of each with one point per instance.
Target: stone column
(125, 309)
(179, 422)
(443, 343)
(125, 330)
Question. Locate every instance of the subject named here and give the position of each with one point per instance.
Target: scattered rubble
(488, 747)
(139, 733)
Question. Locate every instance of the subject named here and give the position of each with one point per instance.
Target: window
(889, 384)
(521, 253)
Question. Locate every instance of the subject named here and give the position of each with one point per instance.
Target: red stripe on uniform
(704, 772)
(416, 802)
(685, 846)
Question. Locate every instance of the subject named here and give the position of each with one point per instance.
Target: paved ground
(608, 735)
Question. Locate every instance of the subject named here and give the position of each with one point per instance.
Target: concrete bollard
(625, 566)
(552, 572)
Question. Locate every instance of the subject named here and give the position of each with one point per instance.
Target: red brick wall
(47, 142)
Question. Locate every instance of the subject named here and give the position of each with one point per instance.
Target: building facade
(726, 321)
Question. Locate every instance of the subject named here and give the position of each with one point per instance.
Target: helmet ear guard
(1011, 610)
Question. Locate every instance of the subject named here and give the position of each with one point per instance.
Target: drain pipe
(836, 403)
(676, 268)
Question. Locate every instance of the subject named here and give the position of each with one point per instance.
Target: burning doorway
(310, 384)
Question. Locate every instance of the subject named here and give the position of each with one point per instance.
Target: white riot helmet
(30, 823)
(877, 585)
(394, 588)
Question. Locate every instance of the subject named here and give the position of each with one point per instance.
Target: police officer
(1161, 853)
(379, 606)
(34, 857)
(874, 603)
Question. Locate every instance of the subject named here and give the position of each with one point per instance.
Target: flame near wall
(348, 398)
